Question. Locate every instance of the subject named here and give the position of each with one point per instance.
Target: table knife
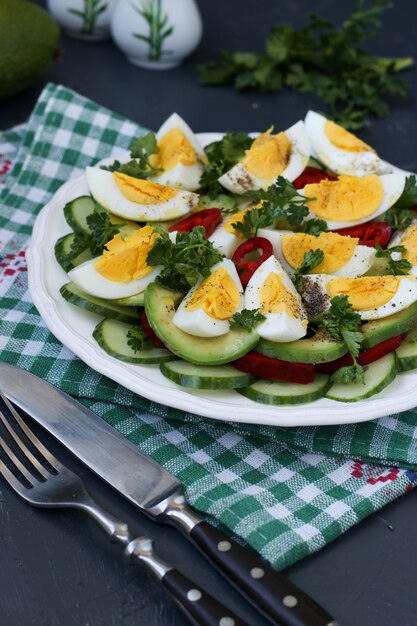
(157, 493)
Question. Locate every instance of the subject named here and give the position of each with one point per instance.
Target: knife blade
(157, 493)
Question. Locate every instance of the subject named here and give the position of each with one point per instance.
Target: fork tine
(11, 478)
(13, 458)
(31, 436)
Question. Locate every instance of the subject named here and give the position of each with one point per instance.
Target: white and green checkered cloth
(285, 491)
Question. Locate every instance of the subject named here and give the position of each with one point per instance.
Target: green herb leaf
(186, 261)
(247, 319)
(102, 230)
(348, 375)
(136, 338)
(141, 149)
(399, 219)
(396, 268)
(314, 227)
(222, 156)
(408, 197)
(311, 259)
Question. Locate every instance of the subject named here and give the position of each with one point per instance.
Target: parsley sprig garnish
(102, 230)
(280, 201)
(342, 323)
(408, 197)
(222, 155)
(395, 267)
(400, 216)
(322, 58)
(136, 338)
(311, 260)
(314, 226)
(185, 261)
(141, 149)
(246, 319)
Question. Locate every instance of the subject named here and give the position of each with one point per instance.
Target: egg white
(104, 190)
(238, 179)
(279, 327)
(405, 296)
(225, 242)
(359, 263)
(393, 186)
(87, 278)
(198, 322)
(336, 159)
(182, 176)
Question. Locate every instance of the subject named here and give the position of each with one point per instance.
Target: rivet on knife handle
(273, 594)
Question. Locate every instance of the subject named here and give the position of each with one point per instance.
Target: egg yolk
(347, 199)
(343, 139)
(337, 250)
(234, 219)
(366, 292)
(274, 297)
(217, 295)
(409, 241)
(143, 191)
(174, 148)
(125, 259)
(268, 156)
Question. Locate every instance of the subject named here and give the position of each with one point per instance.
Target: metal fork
(43, 481)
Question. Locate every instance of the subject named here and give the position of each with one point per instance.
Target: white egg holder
(74, 326)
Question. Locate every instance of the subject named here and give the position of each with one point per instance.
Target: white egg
(315, 294)
(287, 325)
(392, 185)
(359, 263)
(239, 179)
(104, 189)
(180, 175)
(224, 241)
(340, 160)
(87, 278)
(408, 239)
(199, 323)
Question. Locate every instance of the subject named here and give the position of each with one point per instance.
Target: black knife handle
(202, 608)
(276, 596)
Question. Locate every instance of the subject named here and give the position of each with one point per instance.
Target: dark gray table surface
(57, 568)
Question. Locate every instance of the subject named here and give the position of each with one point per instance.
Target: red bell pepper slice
(209, 219)
(246, 269)
(310, 176)
(274, 369)
(365, 356)
(152, 336)
(369, 234)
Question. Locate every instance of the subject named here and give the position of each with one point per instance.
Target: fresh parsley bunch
(102, 230)
(141, 149)
(222, 156)
(329, 61)
(185, 261)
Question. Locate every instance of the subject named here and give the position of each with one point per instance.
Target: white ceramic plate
(74, 327)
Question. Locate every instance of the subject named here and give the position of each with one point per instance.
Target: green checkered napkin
(286, 491)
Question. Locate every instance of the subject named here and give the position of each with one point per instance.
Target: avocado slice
(160, 306)
(391, 326)
(316, 349)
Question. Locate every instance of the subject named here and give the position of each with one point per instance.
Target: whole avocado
(29, 40)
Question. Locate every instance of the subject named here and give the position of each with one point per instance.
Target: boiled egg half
(211, 303)
(343, 256)
(137, 199)
(340, 150)
(225, 238)
(180, 155)
(284, 154)
(121, 270)
(271, 291)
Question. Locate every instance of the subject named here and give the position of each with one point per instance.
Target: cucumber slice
(378, 330)
(160, 308)
(313, 162)
(111, 335)
(272, 392)
(137, 300)
(66, 256)
(407, 352)
(223, 202)
(80, 298)
(77, 211)
(378, 375)
(316, 349)
(205, 376)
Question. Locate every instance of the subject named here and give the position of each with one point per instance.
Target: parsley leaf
(280, 201)
(330, 61)
(141, 149)
(247, 319)
(185, 261)
(408, 197)
(349, 374)
(136, 338)
(314, 226)
(395, 267)
(102, 230)
(399, 219)
(311, 259)
(222, 155)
